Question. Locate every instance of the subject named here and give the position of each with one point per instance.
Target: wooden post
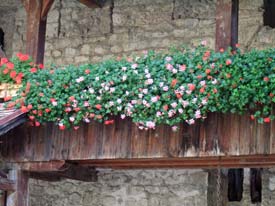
(20, 197)
(36, 27)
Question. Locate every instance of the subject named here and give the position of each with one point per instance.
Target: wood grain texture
(219, 135)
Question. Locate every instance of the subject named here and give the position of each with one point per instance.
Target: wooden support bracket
(57, 170)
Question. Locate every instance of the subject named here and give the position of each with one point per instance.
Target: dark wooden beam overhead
(93, 3)
(36, 27)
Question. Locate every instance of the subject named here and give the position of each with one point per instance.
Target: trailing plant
(155, 88)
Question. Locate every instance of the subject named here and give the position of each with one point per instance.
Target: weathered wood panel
(232, 135)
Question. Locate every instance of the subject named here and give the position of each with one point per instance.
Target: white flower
(112, 89)
(97, 78)
(165, 88)
(174, 71)
(80, 79)
(119, 101)
(198, 114)
(161, 84)
(145, 91)
(180, 110)
(150, 81)
(98, 97)
(124, 77)
(54, 103)
(146, 71)
(124, 68)
(119, 108)
(188, 91)
(202, 83)
(86, 104)
(140, 96)
(134, 101)
(204, 101)
(185, 103)
(86, 120)
(214, 81)
(127, 93)
(190, 121)
(141, 127)
(148, 75)
(174, 104)
(111, 103)
(72, 119)
(91, 90)
(135, 71)
(194, 100)
(106, 88)
(144, 102)
(150, 124)
(182, 88)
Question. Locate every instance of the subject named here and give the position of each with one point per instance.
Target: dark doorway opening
(269, 13)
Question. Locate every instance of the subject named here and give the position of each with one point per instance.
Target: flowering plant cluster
(17, 69)
(156, 88)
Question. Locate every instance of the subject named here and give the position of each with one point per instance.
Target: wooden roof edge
(11, 121)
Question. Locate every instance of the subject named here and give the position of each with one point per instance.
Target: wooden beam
(47, 4)
(36, 27)
(248, 161)
(42, 166)
(7, 185)
(223, 23)
(93, 3)
(57, 170)
(234, 23)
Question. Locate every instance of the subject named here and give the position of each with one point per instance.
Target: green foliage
(181, 85)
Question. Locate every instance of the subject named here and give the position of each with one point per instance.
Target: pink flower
(182, 68)
(169, 67)
(198, 114)
(174, 104)
(149, 81)
(180, 110)
(122, 116)
(175, 128)
(150, 124)
(165, 88)
(190, 121)
(86, 104)
(204, 43)
(168, 59)
(228, 62)
(185, 103)
(72, 119)
(154, 99)
(174, 71)
(124, 68)
(134, 66)
(202, 83)
(158, 114)
(145, 91)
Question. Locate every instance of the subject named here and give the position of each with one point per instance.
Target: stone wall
(126, 188)
(77, 34)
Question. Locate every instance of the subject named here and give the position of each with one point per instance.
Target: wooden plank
(22, 190)
(41, 166)
(223, 23)
(256, 161)
(234, 23)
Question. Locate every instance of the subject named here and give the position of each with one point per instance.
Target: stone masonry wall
(126, 188)
(77, 34)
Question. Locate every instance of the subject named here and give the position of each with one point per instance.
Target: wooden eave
(12, 120)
